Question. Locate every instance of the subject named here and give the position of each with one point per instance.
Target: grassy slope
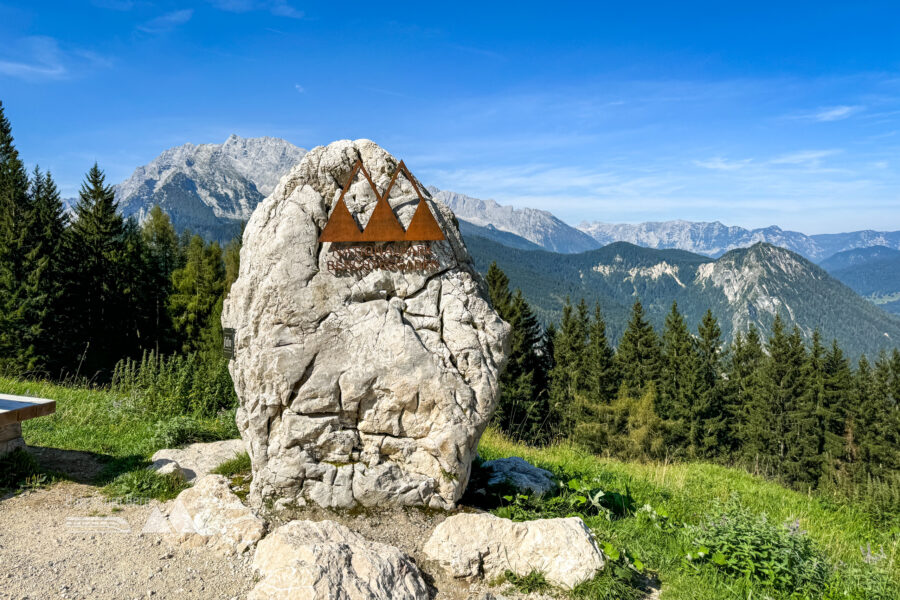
(686, 492)
(123, 436)
(114, 427)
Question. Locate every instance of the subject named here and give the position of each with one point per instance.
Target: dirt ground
(67, 541)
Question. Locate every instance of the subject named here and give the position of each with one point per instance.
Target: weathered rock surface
(196, 460)
(307, 560)
(365, 389)
(217, 514)
(521, 474)
(473, 545)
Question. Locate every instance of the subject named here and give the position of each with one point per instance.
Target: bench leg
(11, 438)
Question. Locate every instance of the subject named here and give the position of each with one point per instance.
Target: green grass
(683, 495)
(20, 471)
(117, 428)
(236, 466)
(141, 485)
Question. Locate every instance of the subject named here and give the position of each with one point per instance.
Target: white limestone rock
(306, 560)
(368, 389)
(484, 545)
(196, 460)
(521, 474)
(218, 515)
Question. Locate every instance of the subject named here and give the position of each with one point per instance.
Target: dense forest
(799, 413)
(92, 296)
(83, 295)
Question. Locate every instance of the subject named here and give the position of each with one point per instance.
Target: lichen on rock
(369, 387)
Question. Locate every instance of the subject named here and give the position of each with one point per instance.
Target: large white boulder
(217, 514)
(473, 545)
(306, 560)
(367, 387)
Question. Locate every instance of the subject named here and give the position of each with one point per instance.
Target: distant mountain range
(873, 273)
(744, 286)
(537, 226)
(212, 188)
(209, 188)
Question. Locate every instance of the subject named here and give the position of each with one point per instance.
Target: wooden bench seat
(14, 410)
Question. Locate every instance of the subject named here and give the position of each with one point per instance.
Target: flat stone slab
(15, 409)
(198, 460)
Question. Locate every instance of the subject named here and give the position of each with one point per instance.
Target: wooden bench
(14, 410)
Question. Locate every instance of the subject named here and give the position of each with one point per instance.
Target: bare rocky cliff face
(209, 188)
(358, 387)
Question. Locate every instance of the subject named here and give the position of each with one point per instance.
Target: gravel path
(67, 541)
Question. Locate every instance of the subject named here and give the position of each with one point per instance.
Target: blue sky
(752, 114)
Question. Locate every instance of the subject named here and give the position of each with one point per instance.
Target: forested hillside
(743, 287)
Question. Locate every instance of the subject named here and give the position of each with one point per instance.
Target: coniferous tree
(19, 331)
(498, 290)
(47, 254)
(568, 376)
(676, 387)
(837, 388)
(708, 427)
(102, 307)
(638, 355)
(162, 257)
(602, 374)
(876, 434)
(196, 290)
(744, 403)
(803, 456)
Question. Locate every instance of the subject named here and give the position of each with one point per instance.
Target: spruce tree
(498, 290)
(876, 434)
(803, 457)
(19, 333)
(638, 356)
(602, 374)
(745, 405)
(837, 388)
(781, 383)
(708, 426)
(163, 257)
(196, 290)
(47, 256)
(676, 387)
(567, 378)
(106, 252)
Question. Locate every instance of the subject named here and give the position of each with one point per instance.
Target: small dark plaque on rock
(228, 342)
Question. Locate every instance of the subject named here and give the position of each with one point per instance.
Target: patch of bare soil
(67, 541)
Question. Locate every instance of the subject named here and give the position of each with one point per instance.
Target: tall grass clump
(196, 384)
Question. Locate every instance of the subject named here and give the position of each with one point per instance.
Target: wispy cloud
(121, 5)
(833, 113)
(299, 88)
(718, 163)
(41, 58)
(804, 158)
(279, 8)
(167, 22)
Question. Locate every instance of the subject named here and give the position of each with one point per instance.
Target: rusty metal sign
(383, 225)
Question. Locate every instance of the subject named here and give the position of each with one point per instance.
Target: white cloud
(299, 88)
(279, 8)
(167, 22)
(718, 163)
(41, 58)
(833, 113)
(804, 158)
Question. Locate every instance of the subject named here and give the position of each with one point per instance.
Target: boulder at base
(217, 516)
(517, 472)
(195, 461)
(366, 371)
(484, 545)
(305, 560)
